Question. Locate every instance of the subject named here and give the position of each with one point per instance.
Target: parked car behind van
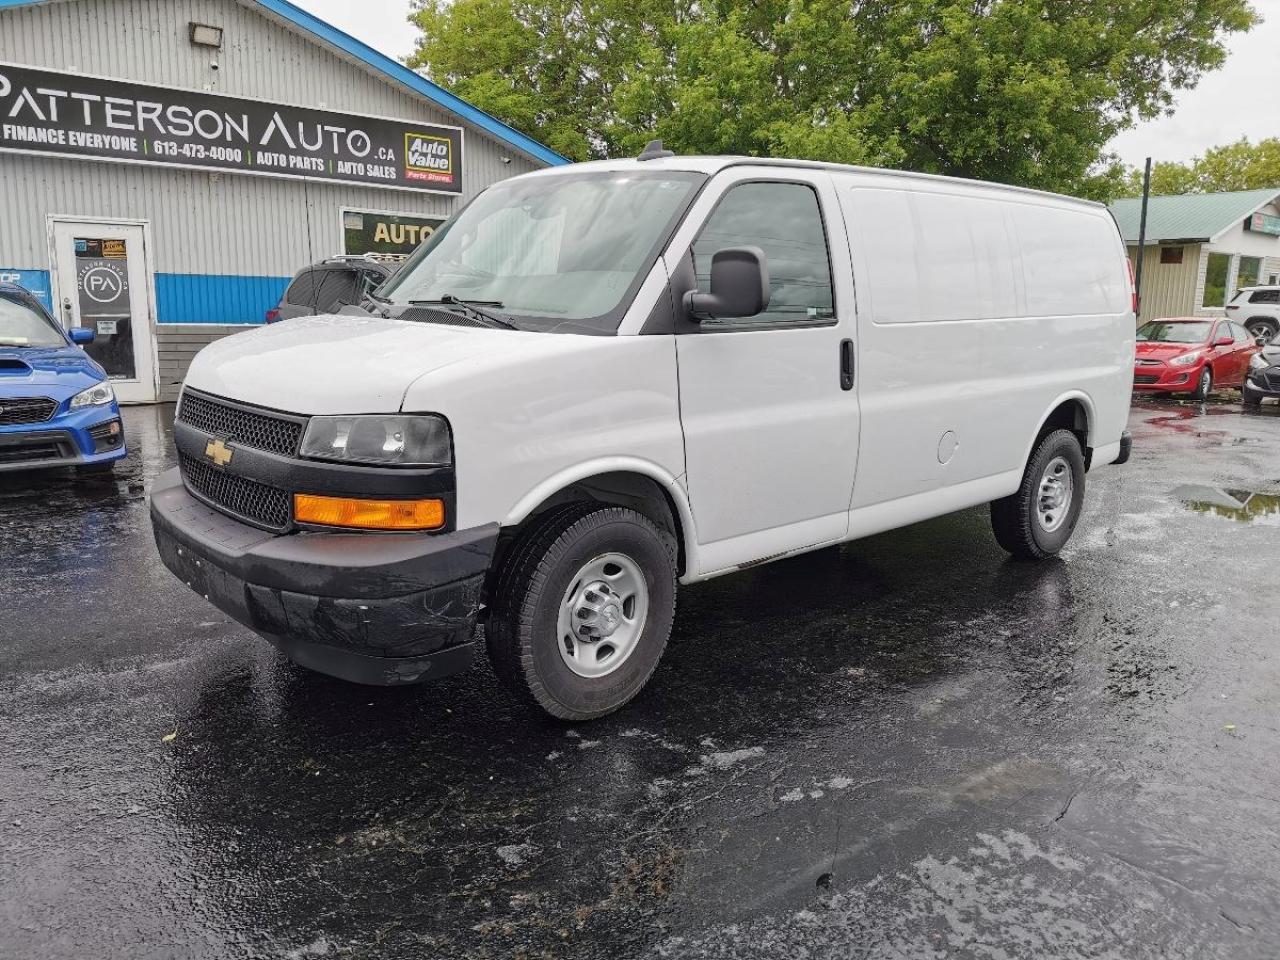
(328, 286)
(57, 408)
(1257, 309)
(603, 380)
(1263, 381)
(1191, 355)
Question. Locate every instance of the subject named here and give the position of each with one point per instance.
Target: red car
(1191, 355)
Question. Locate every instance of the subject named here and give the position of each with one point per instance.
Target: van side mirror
(1259, 341)
(81, 334)
(739, 285)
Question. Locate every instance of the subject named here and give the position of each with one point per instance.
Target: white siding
(202, 222)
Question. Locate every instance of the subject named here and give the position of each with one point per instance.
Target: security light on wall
(203, 35)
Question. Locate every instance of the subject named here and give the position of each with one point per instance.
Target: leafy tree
(1236, 166)
(1021, 91)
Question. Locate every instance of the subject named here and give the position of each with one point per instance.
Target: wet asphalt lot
(909, 747)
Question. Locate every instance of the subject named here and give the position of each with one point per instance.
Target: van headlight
(399, 440)
(1186, 359)
(1258, 362)
(98, 395)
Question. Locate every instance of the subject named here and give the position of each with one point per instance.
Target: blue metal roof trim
(397, 72)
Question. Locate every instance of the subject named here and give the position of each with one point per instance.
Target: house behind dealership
(165, 168)
(1202, 248)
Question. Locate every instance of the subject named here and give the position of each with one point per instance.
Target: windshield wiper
(473, 307)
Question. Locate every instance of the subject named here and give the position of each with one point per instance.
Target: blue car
(56, 407)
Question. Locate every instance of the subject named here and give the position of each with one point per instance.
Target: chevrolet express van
(599, 381)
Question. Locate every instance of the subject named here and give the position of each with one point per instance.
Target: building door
(102, 281)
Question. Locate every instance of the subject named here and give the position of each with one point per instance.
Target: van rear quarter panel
(979, 310)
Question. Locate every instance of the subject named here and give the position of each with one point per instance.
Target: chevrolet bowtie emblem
(218, 452)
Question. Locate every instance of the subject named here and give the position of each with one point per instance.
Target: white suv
(1257, 309)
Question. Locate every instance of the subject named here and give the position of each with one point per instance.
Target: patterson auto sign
(69, 115)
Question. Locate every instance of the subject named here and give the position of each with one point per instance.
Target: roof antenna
(653, 150)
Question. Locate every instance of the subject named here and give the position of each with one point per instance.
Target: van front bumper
(383, 609)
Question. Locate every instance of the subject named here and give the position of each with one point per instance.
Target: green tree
(1236, 166)
(1021, 91)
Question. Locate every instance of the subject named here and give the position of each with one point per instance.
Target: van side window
(783, 220)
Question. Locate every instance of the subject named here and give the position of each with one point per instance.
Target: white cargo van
(601, 380)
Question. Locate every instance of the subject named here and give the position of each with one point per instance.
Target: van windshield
(562, 251)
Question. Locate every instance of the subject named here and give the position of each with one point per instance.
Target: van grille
(258, 503)
(261, 431)
(25, 410)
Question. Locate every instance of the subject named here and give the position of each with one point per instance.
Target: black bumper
(1264, 384)
(1126, 448)
(372, 608)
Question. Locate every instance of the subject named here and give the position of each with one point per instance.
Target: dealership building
(1201, 248)
(166, 166)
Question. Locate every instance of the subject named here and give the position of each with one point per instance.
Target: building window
(1170, 254)
(1249, 272)
(1215, 280)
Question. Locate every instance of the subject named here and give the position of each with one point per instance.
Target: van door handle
(846, 364)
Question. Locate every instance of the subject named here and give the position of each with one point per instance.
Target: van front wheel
(582, 610)
(1035, 522)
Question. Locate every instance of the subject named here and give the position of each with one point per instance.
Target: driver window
(783, 220)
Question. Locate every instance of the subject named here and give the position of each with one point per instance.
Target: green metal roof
(1191, 216)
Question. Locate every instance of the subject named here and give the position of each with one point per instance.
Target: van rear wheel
(1036, 522)
(582, 610)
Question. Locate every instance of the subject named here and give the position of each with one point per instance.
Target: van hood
(345, 364)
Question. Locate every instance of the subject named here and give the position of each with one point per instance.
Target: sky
(1238, 100)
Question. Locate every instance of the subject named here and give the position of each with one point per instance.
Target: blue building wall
(209, 298)
(35, 281)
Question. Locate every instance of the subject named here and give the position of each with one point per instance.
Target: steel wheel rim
(1053, 498)
(602, 615)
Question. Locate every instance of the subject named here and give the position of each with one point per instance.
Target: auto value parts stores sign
(64, 114)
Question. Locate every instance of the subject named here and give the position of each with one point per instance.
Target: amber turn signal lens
(368, 514)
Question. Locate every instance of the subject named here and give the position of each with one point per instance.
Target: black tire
(522, 629)
(1262, 327)
(1204, 386)
(1013, 518)
(1250, 398)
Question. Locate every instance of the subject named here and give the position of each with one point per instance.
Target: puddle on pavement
(1245, 506)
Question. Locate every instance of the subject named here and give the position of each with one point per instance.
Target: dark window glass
(1215, 280)
(782, 219)
(1170, 254)
(339, 287)
(304, 288)
(1265, 296)
(1248, 271)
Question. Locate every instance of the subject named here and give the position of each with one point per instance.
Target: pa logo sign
(102, 284)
